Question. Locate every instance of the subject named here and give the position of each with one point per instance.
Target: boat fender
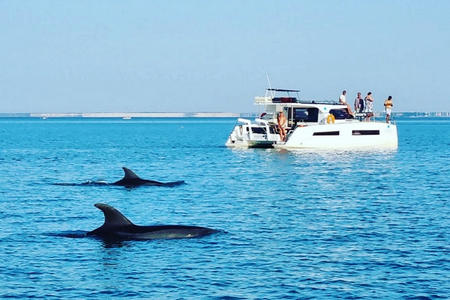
(330, 119)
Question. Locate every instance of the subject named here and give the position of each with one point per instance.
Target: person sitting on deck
(282, 122)
(343, 101)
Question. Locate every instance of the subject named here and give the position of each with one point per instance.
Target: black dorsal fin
(129, 174)
(113, 217)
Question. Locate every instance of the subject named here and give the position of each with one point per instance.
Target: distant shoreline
(126, 115)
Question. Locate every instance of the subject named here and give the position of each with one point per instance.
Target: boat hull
(351, 135)
(341, 135)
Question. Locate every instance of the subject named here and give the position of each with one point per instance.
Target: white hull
(345, 135)
(352, 135)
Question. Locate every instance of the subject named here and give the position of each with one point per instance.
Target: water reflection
(114, 243)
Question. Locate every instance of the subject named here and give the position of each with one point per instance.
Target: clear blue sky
(212, 56)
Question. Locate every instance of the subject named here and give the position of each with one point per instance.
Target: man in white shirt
(343, 101)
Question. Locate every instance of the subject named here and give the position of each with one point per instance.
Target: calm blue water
(298, 224)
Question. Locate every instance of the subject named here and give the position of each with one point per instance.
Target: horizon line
(127, 115)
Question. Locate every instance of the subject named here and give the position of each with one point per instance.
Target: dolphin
(118, 227)
(130, 179)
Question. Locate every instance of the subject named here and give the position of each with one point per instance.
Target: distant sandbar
(135, 115)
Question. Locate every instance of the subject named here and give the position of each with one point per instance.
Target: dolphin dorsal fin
(113, 217)
(129, 174)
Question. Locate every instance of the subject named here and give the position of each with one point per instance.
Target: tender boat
(310, 124)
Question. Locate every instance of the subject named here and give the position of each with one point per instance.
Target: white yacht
(310, 124)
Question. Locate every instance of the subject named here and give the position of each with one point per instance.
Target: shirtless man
(388, 107)
(282, 122)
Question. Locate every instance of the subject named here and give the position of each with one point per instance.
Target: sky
(213, 56)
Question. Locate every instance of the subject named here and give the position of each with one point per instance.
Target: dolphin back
(129, 174)
(129, 178)
(118, 227)
(113, 217)
(173, 183)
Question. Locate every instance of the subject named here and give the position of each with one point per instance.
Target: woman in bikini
(282, 122)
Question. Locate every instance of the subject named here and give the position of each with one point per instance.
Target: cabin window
(310, 114)
(340, 114)
(326, 133)
(365, 132)
(259, 130)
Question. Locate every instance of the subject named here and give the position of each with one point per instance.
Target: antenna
(270, 86)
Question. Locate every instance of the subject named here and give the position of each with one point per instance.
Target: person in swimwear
(388, 108)
(282, 122)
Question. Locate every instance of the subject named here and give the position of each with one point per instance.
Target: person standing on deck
(388, 108)
(282, 123)
(369, 106)
(359, 103)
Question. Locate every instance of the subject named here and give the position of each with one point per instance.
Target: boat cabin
(299, 111)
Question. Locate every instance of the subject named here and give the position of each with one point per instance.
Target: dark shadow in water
(111, 242)
(80, 234)
(118, 243)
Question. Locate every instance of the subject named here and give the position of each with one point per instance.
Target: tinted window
(365, 132)
(258, 130)
(326, 133)
(340, 114)
(306, 114)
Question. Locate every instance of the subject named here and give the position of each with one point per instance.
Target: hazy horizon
(195, 56)
(182, 114)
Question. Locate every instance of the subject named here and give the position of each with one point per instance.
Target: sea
(292, 224)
